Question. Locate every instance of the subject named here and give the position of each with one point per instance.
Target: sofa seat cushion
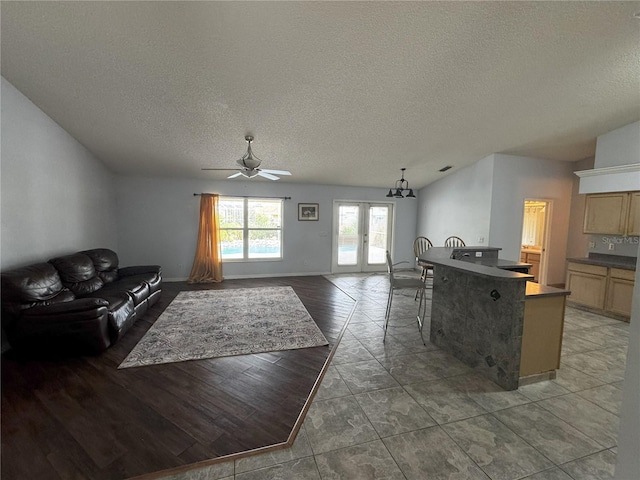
(77, 273)
(121, 310)
(154, 280)
(64, 296)
(138, 289)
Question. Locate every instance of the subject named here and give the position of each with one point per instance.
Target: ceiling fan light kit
(401, 186)
(248, 166)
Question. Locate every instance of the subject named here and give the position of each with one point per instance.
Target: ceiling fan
(249, 166)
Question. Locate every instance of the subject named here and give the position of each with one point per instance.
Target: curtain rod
(240, 196)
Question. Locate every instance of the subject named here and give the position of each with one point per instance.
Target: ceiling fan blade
(221, 169)
(235, 175)
(276, 172)
(264, 174)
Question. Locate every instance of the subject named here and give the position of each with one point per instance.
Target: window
(250, 228)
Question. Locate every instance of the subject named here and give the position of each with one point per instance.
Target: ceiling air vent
(444, 169)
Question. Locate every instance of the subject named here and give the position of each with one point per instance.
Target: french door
(361, 236)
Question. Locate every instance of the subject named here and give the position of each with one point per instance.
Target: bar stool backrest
(454, 241)
(421, 245)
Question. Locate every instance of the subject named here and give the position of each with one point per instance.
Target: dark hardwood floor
(82, 418)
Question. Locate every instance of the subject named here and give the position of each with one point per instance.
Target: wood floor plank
(85, 418)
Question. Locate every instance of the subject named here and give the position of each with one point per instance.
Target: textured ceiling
(336, 92)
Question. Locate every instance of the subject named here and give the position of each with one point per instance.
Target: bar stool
(399, 284)
(421, 245)
(454, 241)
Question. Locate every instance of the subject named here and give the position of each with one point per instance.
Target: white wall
(57, 198)
(518, 178)
(486, 200)
(158, 224)
(618, 147)
(628, 459)
(578, 242)
(458, 204)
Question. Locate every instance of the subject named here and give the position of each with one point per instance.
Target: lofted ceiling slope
(341, 93)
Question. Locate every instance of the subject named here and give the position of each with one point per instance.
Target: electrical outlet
(592, 244)
(612, 246)
(480, 239)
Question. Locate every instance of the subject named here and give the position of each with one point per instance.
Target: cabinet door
(619, 296)
(586, 288)
(606, 213)
(633, 225)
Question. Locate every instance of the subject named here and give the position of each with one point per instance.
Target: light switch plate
(592, 244)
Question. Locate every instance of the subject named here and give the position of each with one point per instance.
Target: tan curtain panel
(207, 265)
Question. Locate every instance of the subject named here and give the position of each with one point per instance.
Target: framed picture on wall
(307, 211)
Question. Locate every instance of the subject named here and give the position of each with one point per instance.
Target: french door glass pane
(348, 244)
(378, 221)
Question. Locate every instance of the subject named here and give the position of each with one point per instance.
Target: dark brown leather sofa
(81, 302)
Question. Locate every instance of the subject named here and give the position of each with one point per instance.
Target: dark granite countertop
(535, 290)
(604, 260)
(496, 263)
(479, 266)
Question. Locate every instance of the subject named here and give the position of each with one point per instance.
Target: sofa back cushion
(105, 262)
(77, 273)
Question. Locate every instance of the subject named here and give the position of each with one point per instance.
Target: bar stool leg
(387, 313)
(422, 309)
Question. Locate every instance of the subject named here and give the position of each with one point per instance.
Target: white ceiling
(336, 92)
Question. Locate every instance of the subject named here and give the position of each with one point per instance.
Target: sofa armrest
(78, 326)
(137, 270)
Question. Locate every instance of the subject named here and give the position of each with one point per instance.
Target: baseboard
(255, 275)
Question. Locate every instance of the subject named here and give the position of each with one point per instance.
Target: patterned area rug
(220, 323)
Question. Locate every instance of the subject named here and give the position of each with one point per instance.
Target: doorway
(535, 235)
(361, 236)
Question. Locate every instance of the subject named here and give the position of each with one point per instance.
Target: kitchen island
(488, 314)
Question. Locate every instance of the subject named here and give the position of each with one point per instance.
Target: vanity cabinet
(533, 258)
(607, 290)
(615, 213)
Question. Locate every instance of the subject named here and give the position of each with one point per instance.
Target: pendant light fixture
(401, 186)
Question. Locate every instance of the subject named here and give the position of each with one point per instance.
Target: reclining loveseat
(79, 302)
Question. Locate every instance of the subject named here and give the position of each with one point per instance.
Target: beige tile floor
(403, 410)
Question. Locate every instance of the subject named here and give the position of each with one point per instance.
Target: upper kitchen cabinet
(615, 213)
(633, 227)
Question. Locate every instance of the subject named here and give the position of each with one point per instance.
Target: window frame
(246, 229)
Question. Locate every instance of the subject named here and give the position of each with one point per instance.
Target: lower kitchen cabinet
(605, 289)
(588, 284)
(620, 291)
